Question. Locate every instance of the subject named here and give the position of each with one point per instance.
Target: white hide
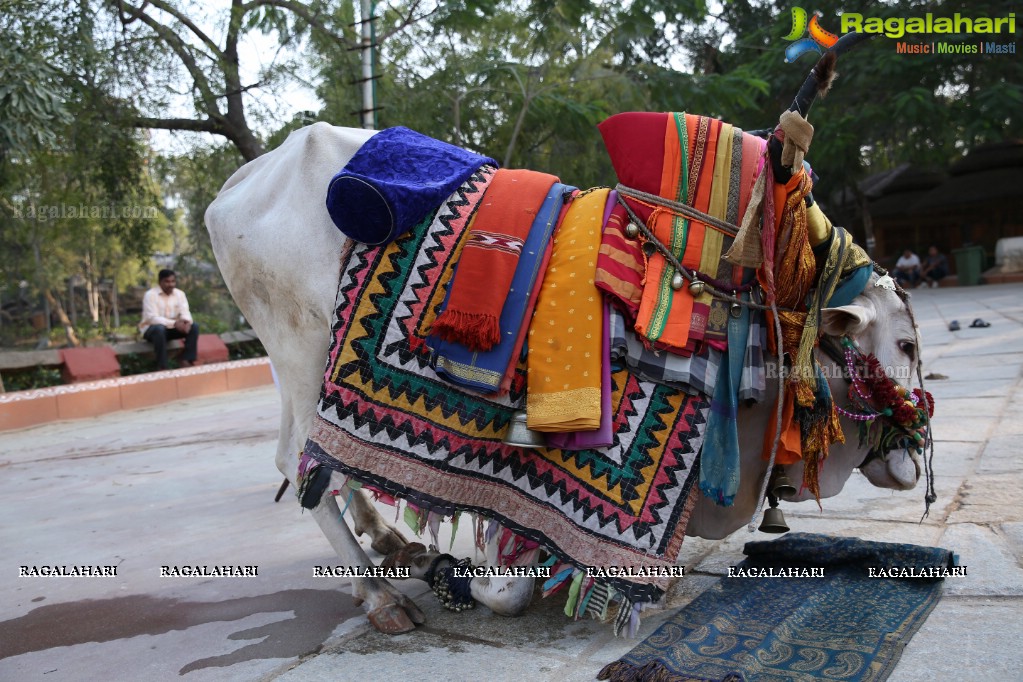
(280, 254)
(880, 323)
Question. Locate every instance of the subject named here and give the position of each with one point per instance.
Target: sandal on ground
(980, 323)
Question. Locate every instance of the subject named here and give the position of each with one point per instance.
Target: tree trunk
(69, 329)
(114, 304)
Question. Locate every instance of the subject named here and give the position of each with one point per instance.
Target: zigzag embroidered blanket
(387, 420)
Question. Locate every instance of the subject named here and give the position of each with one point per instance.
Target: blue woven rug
(842, 626)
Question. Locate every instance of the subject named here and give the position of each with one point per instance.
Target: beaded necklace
(890, 416)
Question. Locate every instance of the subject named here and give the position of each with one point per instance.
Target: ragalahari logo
(817, 41)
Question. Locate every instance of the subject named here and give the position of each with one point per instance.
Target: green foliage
(523, 81)
(248, 349)
(31, 94)
(28, 379)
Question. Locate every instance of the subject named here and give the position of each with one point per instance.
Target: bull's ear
(846, 319)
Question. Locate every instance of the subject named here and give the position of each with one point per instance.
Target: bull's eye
(908, 348)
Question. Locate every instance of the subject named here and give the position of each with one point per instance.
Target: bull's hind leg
(390, 611)
(366, 519)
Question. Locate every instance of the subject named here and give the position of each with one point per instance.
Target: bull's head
(880, 323)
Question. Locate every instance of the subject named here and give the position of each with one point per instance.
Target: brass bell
(774, 519)
(677, 281)
(780, 485)
(696, 287)
(632, 230)
(649, 249)
(520, 435)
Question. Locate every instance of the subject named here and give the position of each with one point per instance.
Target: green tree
(79, 206)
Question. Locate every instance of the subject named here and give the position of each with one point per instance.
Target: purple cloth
(395, 181)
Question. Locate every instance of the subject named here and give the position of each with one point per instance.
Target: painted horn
(821, 74)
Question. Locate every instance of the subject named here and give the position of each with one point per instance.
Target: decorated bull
(715, 362)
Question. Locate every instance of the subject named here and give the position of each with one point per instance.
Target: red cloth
(488, 260)
(620, 265)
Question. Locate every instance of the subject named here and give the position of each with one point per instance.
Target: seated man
(907, 269)
(935, 267)
(165, 316)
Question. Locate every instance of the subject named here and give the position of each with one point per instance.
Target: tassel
(413, 519)
(433, 520)
(454, 529)
(584, 598)
(597, 601)
(573, 593)
(624, 616)
(819, 428)
(475, 331)
(492, 529)
(480, 538)
(559, 578)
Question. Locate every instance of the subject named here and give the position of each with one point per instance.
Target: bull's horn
(823, 72)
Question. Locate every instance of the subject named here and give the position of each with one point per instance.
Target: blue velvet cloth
(394, 181)
(843, 625)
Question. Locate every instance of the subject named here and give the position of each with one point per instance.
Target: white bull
(280, 255)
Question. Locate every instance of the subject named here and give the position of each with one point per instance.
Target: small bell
(696, 287)
(774, 519)
(735, 310)
(520, 435)
(632, 230)
(649, 249)
(780, 484)
(677, 281)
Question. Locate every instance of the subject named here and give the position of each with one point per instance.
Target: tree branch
(178, 46)
(406, 21)
(314, 19)
(191, 124)
(174, 12)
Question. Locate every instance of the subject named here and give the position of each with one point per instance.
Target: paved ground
(193, 483)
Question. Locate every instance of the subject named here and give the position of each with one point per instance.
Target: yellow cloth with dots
(564, 361)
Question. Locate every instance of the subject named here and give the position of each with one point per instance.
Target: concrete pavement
(192, 483)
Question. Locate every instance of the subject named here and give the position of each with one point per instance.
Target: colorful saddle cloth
(706, 164)
(386, 419)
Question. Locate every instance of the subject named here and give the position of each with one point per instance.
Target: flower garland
(890, 416)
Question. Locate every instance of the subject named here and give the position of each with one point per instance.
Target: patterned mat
(841, 625)
(387, 420)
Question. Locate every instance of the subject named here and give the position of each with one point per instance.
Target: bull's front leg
(385, 538)
(388, 610)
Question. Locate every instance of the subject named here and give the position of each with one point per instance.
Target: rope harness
(699, 283)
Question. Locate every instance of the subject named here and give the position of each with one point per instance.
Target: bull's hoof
(391, 619)
(394, 619)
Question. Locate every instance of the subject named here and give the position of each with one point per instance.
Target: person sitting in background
(165, 316)
(935, 267)
(907, 269)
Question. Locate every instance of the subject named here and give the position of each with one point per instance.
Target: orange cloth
(489, 258)
(790, 447)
